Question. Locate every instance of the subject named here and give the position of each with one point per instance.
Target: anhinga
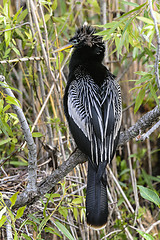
(92, 105)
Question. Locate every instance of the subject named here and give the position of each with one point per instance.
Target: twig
(32, 155)
(20, 25)
(121, 191)
(147, 134)
(149, 157)
(134, 182)
(152, 226)
(125, 197)
(156, 65)
(9, 228)
(131, 105)
(24, 59)
(125, 70)
(113, 232)
(3, 160)
(103, 6)
(33, 10)
(142, 124)
(119, 217)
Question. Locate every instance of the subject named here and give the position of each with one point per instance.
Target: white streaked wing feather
(111, 90)
(83, 96)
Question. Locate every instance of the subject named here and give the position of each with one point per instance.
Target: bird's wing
(93, 117)
(85, 117)
(112, 114)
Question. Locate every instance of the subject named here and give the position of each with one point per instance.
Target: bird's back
(93, 112)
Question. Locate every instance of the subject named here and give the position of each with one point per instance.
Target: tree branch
(32, 155)
(77, 157)
(47, 184)
(141, 125)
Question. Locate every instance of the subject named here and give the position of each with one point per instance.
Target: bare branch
(148, 133)
(47, 184)
(78, 157)
(152, 226)
(25, 198)
(32, 155)
(142, 124)
(24, 59)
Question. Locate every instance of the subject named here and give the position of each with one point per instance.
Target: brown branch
(47, 184)
(141, 125)
(26, 198)
(78, 157)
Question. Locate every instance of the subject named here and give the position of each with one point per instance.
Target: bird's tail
(96, 197)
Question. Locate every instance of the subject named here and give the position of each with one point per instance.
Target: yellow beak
(69, 45)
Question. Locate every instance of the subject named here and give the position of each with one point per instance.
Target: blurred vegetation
(34, 29)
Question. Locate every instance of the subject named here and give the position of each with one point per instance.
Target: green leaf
(53, 231)
(150, 195)
(153, 92)
(29, 222)
(5, 127)
(64, 230)
(139, 99)
(22, 15)
(43, 223)
(12, 100)
(130, 3)
(147, 179)
(83, 213)
(2, 142)
(6, 7)
(63, 211)
(16, 15)
(75, 213)
(133, 10)
(1, 105)
(16, 51)
(146, 77)
(145, 235)
(54, 5)
(37, 134)
(7, 35)
(13, 199)
(145, 20)
(16, 236)
(140, 73)
(19, 33)
(77, 200)
(2, 212)
(20, 212)
(3, 219)
(135, 52)
(128, 24)
(26, 236)
(5, 85)
(17, 163)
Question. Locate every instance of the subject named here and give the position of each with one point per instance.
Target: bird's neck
(91, 62)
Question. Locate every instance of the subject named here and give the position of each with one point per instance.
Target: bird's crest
(86, 34)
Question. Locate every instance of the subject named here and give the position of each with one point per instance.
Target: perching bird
(92, 105)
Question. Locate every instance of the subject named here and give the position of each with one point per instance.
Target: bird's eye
(74, 41)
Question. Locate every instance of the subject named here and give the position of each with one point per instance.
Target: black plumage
(92, 105)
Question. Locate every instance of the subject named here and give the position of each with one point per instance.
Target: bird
(93, 109)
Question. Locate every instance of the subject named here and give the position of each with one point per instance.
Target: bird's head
(85, 36)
